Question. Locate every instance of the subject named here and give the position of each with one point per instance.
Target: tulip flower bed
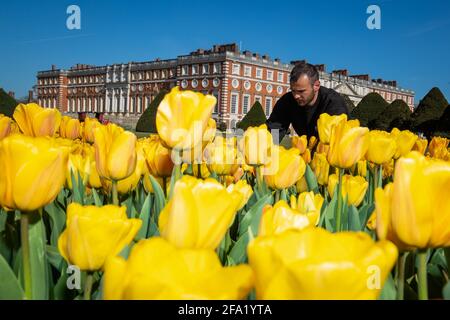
(91, 212)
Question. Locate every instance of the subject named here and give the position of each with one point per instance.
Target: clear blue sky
(412, 47)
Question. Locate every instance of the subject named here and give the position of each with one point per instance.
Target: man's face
(304, 92)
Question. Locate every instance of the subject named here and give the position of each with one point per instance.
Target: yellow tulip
(309, 204)
(182, 118)
(130, 183)
(405, 141)
(199, 213)
(148, 185)
(78, 164)
(301, 143)
(388, 169)
(70, 128)
(382, 147)
(243, 188)
(257, 145)
(372, 222)
(354, 187)
(14, 127)
(5, 126)
(414, 211)
(285, 168)
(321, 168)
(302, 185)
(420, 145)
(115, 152)
(279, 218)
(307, 156)
(221, 156)
(158, 270)
(348, 144)
(93, 234)
(158, 158)
(36, 121)
(438, 148)
(204, 172)
(361, 168)
(312, 142)
(33, 171)
(325, 125)
(323, 148)
(89, 126)
(315, 264)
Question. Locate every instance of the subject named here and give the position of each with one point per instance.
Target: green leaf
(389, 292)
(38, 258)
(238, 253)
(55, 258)
(76, 195)
(446, 291)
(283, 196)
(145, 217)
(57, 221)
(160, 200)
(60, 290)
(224, 247)
(364, 214)
(176, 174)
(328, 214)
(98, 202)
(253, 216)
(153, 230)
(354, 224)
(311, 180)
(10, 288)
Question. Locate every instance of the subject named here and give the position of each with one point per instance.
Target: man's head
(305, 84)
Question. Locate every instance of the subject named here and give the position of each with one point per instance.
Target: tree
(7, 103)
(431, 107)
(254, 118)
(369, 108)
(397, 113)
(443, 124)
(147, 121)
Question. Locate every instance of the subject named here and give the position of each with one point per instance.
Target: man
(305, 103)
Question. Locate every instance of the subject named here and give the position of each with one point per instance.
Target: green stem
(447, 258)
(88, 285)
(277, 195)
(422, 275)
(339, 202)
(176, 173)
(259, 178)
(401, 275)
(24, 223)
(115, 194)
(165, 186)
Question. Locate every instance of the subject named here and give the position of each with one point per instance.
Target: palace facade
(237, 79)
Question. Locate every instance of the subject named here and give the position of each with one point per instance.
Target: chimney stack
(30, 96)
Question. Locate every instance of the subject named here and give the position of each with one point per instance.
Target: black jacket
(304, 119)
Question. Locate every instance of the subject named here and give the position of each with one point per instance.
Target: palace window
(259, 73)
(234, 102)
(245, 103)
(247, 71)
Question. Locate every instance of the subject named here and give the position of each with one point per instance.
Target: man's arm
(279, 119)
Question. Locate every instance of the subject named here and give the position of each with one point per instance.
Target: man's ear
(316, 85)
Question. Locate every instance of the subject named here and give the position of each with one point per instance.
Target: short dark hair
(304, 68)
